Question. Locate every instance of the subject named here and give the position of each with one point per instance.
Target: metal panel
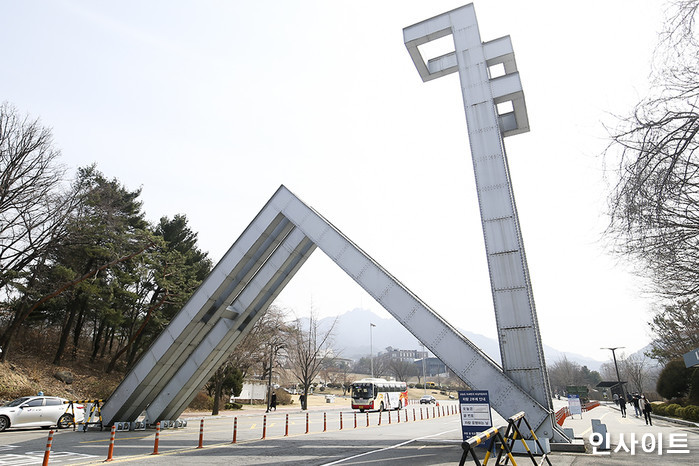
(285, 232)
(296, 231)
(206, 358)
(452, 348)
(520, 346)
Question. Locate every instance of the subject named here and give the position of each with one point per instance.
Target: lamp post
(424, 377)
(371, 348)
(274, 347)
(616, 367)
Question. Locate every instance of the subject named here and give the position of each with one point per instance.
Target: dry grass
(29, 370)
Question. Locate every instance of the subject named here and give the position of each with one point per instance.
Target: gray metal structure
(483, 91)
(246, 281)
(286, 231)
(515, 313)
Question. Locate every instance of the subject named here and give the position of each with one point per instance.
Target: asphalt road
(436, 440)
(374, 434)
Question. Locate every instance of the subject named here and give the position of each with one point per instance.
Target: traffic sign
(691, 359)
(475, 412)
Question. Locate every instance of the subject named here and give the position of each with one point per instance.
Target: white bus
(379, 394)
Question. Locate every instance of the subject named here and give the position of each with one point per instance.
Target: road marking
(398, 445)
(589, 429)
(37, 457)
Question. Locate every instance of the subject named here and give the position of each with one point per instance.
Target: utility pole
(424, 376)
(274, 347)
(616, 367)
(371, 348)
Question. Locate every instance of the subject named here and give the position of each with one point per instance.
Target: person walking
(273, 401)
(647, 409)
(622, 405)
(638, 409)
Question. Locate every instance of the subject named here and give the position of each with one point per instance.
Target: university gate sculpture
(286, 231)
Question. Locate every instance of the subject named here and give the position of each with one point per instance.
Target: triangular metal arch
(247, 280)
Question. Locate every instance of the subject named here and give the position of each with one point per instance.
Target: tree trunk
(23, 310)
(218, 387)
(78, 330)
(109, 337)
(97, 339)
(146, 319)
(134, 350)
(12, 329)
(72, 310)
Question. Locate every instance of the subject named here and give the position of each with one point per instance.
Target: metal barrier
(506, 442)
(514, 433)
(491, 434)
(92, 410)
(561, 415)
(564, 412)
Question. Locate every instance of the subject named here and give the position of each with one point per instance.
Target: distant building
(433, 366)
(403, 355)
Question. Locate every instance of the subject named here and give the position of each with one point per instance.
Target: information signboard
(475, 412)
(691, 359)
(574, 405)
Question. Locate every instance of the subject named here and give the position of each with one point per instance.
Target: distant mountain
(352, 338)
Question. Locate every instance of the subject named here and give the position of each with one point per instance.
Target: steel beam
(515, 313)
(269, 253)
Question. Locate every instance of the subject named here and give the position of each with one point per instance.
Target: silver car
(40, 411)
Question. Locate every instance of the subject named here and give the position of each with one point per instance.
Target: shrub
(202, 402)
(283, 398)
(412, 385)
(672, 409)
(233, 406)
(691, 413)
(660, 409)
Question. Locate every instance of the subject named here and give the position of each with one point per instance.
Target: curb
(674, 420)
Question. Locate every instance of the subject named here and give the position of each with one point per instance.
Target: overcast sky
(210, 105)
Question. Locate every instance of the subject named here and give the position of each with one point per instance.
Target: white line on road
(589, 429)
(388, 448)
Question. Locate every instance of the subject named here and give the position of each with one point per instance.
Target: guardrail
(563, 413)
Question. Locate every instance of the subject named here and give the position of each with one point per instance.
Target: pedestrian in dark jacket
(622, 405)
(638, 409)
(647, 409)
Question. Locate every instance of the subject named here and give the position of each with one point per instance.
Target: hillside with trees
(86, 281)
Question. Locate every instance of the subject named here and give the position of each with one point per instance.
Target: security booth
(614, 387)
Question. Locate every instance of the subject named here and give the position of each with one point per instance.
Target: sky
(209, 106)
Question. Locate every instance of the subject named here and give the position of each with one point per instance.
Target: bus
(379, 394)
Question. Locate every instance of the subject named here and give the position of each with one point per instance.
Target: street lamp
(616, 367)
(371, 348)
(274, 347)
(424, 377)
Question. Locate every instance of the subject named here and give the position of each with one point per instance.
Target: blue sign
(475, 412)
(574, 406)
(691, 359)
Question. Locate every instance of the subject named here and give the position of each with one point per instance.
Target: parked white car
(39, 411)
